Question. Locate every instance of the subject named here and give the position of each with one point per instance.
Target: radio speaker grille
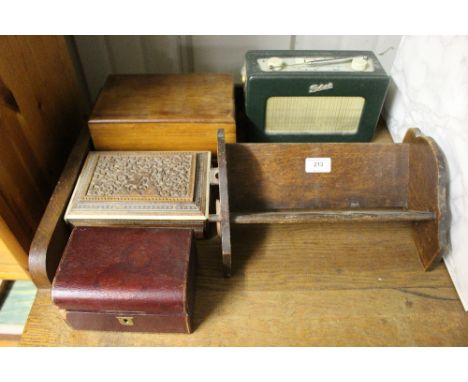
(313, 115)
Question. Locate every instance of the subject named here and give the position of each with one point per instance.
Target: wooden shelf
(317, 216)
(334, 285)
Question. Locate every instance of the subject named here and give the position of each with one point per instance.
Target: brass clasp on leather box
(126, 321)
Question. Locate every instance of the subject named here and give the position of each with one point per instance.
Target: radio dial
(359, 63)
(275, 63)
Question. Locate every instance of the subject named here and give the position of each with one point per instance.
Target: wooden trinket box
(154, 189)
(163, 112)
(127, 279)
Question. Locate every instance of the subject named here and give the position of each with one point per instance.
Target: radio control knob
(275, 63)
(359, 63)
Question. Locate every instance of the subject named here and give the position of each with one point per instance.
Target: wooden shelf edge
(52, 233)
(224, 219)
(310, 216)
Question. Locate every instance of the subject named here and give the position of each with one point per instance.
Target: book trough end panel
(428, 190)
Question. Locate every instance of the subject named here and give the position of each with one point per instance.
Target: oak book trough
(284, 183)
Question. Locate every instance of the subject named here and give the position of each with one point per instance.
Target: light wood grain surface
(13, 258)
(171, 112)
(9, 342)
(41, 112)
(327, 284)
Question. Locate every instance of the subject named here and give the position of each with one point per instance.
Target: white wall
(430, 91)
(103, 55)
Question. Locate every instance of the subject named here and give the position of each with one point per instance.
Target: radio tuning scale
(317, 64)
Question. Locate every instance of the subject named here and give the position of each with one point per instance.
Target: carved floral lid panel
(142, 185)
(130, 176)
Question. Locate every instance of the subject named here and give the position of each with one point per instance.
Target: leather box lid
(197, 98)
(142, 270)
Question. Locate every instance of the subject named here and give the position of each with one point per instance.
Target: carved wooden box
(127, 279)
(156, 189)
(163, 112)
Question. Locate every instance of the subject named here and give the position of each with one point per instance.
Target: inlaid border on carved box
(138, 187)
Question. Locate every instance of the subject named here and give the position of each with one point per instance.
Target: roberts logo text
(314, 88)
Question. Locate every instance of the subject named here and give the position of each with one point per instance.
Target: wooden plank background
(41, 110)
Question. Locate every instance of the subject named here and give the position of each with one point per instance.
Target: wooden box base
(129, 322)
(159, 136)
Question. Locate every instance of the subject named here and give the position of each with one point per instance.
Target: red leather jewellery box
(127, 279)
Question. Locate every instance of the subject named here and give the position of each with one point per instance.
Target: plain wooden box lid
(197, 98)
